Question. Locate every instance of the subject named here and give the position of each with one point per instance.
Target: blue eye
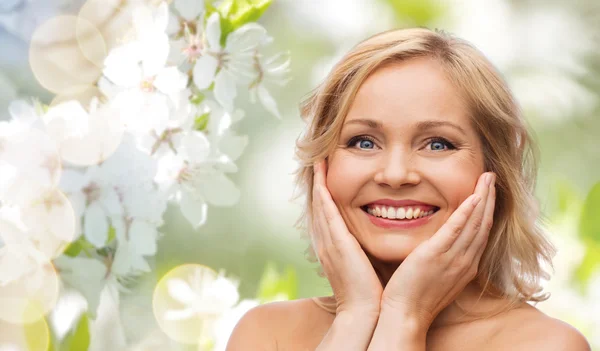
(363, 141)
(440, 144)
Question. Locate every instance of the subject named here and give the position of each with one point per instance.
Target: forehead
(410, 91)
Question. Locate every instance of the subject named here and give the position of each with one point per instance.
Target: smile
(399, 217)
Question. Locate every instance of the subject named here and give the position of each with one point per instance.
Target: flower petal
(156, 53)
(267, 101)
(219, 190)
(181, 291)
(204, 71)
(189, 9)
(95, 225)
(225, 90)
(121, 66)
(175, 315)
(161, 17)
(170, 81)
(196, 146)
(172, 25)
(213, 32)
(233, 145)
(111, 202)
(193, 208)
(245, 38)
(142, 236)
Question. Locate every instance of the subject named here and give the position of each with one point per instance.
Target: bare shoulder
(274, 325)
(531, 329)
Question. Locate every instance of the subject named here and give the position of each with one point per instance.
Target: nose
(397, 169)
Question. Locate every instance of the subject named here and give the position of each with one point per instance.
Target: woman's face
(424, 153)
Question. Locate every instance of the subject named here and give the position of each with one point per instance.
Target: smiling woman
(418, 172)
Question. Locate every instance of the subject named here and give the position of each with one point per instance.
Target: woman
(419, 172)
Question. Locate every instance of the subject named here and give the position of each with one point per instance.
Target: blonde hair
(512, 264)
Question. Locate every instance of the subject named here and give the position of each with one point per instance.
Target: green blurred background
(547, 51)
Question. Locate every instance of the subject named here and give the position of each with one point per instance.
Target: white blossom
(230, 64)
(29, 158)
(84, 138)
(195, 176)
(202, 295)
(18, 256)
(143, 84)
(115, 192)
(272, 70)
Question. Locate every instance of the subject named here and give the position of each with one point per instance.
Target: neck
(471, 298)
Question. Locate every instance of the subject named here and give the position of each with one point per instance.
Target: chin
(391, 248)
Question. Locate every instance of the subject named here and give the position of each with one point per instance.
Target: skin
(402, 161)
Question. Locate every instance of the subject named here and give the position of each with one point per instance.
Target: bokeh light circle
(29, 298)
(32, 337)
(57, 57)
(113, 18)
(197, 328)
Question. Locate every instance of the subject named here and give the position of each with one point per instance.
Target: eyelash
(444, 141)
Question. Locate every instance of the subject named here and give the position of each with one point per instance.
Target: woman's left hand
(434, 274)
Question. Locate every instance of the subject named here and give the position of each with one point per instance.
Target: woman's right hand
(353, 280)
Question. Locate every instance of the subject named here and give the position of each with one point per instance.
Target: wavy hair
(517, 249)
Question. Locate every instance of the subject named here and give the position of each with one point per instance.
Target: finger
(443, 239)
(324, 228)
(320, 173)
(481, 239)
(338, 230)
(320, 234)
(474, 223)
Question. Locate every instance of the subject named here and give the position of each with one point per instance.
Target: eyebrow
(420, 125)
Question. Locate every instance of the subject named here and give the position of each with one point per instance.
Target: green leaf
(236, 13)
(112, 234)
(589, 223)
(75, 248)
(201, 122)
(197, 98)
(274, 286)
(79, 338)
(588, 266)
(419, 12)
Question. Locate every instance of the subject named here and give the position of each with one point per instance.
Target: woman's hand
(354, 282)
(434, 274)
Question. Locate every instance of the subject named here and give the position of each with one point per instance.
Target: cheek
(455, 179)
(344, 179)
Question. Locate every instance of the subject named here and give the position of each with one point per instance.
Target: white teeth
(401, 213)
(398, 213)
(391, 213)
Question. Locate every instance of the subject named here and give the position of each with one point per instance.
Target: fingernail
(488, 179)
(475, 200)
